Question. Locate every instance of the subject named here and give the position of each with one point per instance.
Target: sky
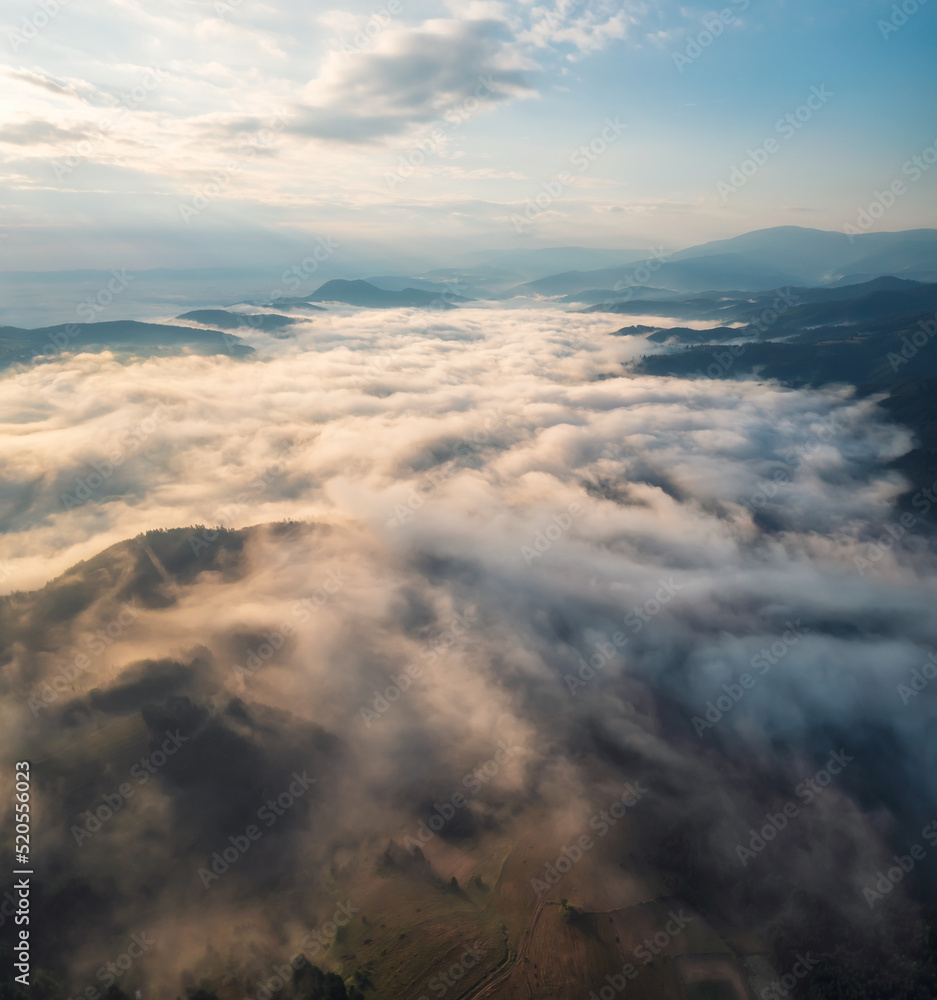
(204, 133)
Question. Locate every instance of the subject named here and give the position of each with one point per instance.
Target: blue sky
(218, 132)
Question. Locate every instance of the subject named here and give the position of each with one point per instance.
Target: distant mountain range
(738, 306)
(18, 346)
(634, 281)
(533, 263)
(265, 322)
(603, 297)
(727, 271)
(585, 276)
(363, 293)
(756, 261)
(398, 283)
(817, 257)
(813, 336)
(880, 336)
(767, 258)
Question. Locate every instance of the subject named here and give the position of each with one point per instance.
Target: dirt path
(486, 991)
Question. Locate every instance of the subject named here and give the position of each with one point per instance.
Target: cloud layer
(576, 564)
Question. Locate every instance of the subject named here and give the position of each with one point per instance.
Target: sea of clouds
(577, 561)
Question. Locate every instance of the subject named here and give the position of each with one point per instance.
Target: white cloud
(413, 76)
(352, 433)
(427, 452)
(587, 30)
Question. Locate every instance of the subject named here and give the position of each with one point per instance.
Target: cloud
(411, 77)
(480, 172)
(586, 31)
(405, 360)
(476, 498)
(38, 133)
(79, 90)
